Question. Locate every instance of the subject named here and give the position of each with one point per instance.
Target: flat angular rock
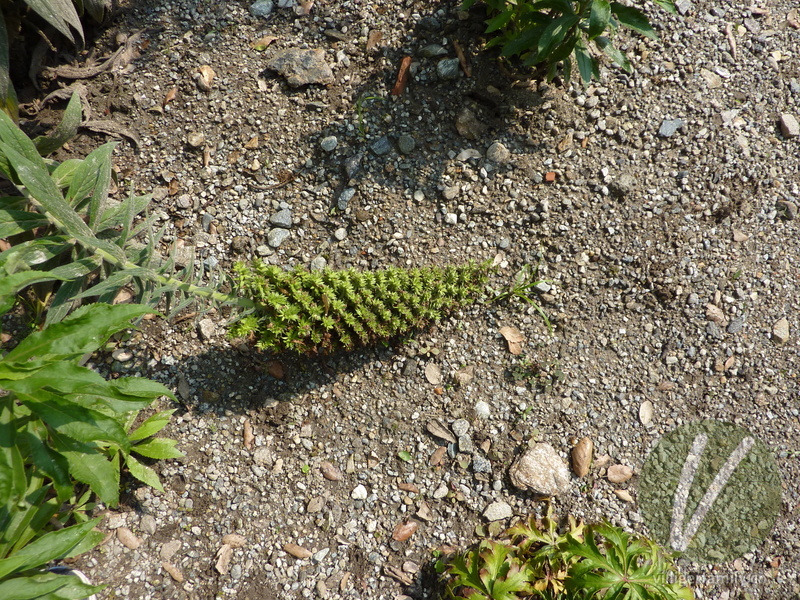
(541, 470)
(780, 331)
(789, 126)
(497, 511)
(669, 127)
(301, 67)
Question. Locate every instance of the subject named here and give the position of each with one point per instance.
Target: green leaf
(82, 424)
(117, 216)
(562, 6)
(12, 468)
(499, 21)
(553, 34)
(65, 172)
(47, 586)
(598, 18)
(64, 377)
(667, 5)
(83, 331)
(8, 97)
(51, 546)
(64, 131)
(633, 18)
(151, 426)
(89, 174)
(584, 61)
(143, 473)
(11, 284)
(61, 14)
(529, 38)
(405, 456)
(13, 222)
(47, 460)
(613, 53)
(11, 135)
(33, 252)
(158, 448)
(88, 465)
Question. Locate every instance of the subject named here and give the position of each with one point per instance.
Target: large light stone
(541, 470)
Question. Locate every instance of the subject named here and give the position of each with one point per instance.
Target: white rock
(451, 218)
(541, 470)
(359, 493)
(497, 511)
(482, 410)
(789, 126)
(780, 331)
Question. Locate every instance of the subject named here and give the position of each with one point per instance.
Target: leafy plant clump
(551, 32)
(581, 563)
(319, 312)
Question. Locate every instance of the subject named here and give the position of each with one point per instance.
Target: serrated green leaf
(83, 331)
(598, 17)
(633, 18)
(158, 448)
(69, 419)
(151, 426)
(88, 465)
(64, 131)
(143, 473)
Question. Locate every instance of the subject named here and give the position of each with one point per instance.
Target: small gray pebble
(340, 233)
(737, 324)
(669, 127)
(352, 164)
(432, 51)
(406, 143)
(498, 153)
(503, 243)
(460, 427)
(319, 263)
(282, 218)
(207, 218)
(345, 197)
(277, 236)
(261, 8)
(329, 143)
(448, 68)
(543, 287)
(381, 146)
(465, 444)
(410, 368)
(481, 464)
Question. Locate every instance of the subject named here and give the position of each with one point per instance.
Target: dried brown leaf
(171, 95)
(397, 574)
(263, 43)
(462, 59)
(234, 540)
(403, 531)
(223, 556)
(296, 551)
(205, 76)
(514, 338)
(249, 438)
(435, 428)
(373, 39)
(582, 457)
(433, 373)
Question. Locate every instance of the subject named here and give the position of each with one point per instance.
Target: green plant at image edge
(553, 32)
(536, 560)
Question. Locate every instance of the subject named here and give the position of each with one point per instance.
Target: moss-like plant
(535, 560)
(313, 312)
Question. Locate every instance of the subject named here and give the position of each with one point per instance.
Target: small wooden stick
(402, 77)
(462, 59)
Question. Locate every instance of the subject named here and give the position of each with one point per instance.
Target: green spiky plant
(320, 312)
(581, 562)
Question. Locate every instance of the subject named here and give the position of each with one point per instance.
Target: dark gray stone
(345, 197)
(261, 8)
(282, 218)
(381, 146)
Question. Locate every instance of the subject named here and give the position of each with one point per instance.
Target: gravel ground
(661, 207)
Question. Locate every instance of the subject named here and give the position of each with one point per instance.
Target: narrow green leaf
(667, 5)
(499, 21)
(143, 473)
(526, 40)
(158, 448)
(12, 469)
(64, 174)
(10, 285)
(8, 96)
(62, 376)
(60, 14)
(64, 131)
(51, 546)
(123, 213)
(47, 460)
(613, 53)
(598, 18)
(151, 426)
(89, 173)
(47, 586)
(13, 222)
(33, 252)
(83, 331)
(12, 135)
(553, 34)
(633, 18)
